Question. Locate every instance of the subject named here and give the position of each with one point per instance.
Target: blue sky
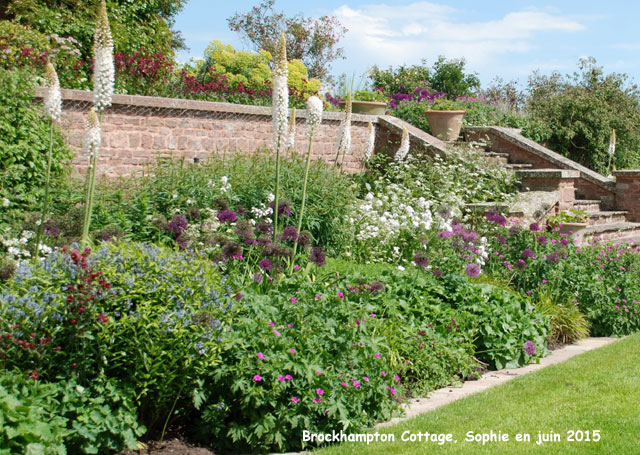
(501, 38)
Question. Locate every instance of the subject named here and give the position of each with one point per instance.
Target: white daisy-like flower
(403, 151)
(103, 67)
(53, 99)
(314, 114)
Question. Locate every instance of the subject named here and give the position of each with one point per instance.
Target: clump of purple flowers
(528, 253)
(421, 259)
(265, 264)
(496, 218)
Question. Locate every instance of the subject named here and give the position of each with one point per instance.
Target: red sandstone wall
(138, 129)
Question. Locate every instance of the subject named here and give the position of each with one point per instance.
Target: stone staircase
(604, 222)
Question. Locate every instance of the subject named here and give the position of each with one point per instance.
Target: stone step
(611, 232)
(518, 166)
(606, 217)
(587, 205)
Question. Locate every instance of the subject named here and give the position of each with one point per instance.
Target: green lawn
(599, 390)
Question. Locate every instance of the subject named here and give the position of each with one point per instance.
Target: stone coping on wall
(548, 174)
(627, 173)
(513, 135)
(195, 105)
(416, 134)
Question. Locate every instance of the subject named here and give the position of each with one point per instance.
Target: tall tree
(311, 40)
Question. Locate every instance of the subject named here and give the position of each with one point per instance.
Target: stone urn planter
(366, 107)
(445, 125)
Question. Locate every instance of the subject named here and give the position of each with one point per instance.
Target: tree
(141, 25)
(575, 114)
(312, 41)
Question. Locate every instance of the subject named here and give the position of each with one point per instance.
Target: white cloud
(392, 35)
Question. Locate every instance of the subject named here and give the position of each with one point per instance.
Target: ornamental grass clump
(103, 83)
(52, 109)
(280, 108)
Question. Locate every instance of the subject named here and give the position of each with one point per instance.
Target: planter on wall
(445, 125)
(366, 107)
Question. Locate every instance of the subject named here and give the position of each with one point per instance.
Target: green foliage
(568, 324)
(63, 417)
(574, 116)
(24, 142)
(313, 41)
(446, 76)
(136, 26)
(150, 311)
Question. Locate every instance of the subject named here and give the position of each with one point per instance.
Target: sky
(506, 39)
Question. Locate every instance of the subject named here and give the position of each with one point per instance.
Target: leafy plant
(568, 324)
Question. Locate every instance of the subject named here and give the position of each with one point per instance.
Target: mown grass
(599, 390)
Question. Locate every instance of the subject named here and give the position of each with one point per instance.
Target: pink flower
(319, 391)
(373, 315)
(365, 379)
(261, 356)
(317, 400)
(356, 384)
(276, 333)
(296, 267)
(288, 377)
(295, 399)
(343, 384)
(272, 324)
(281, 378)
(383, 374)
(318, 372)
(340, 294)
(292, 351)
(318, 296)
(396, 377)
(377, 354)
(257, 378)
(358, 323)
(293, 300)
(393, 391)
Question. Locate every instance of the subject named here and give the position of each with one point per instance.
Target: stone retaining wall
(137, 129)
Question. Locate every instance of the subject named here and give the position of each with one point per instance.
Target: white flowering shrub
(388, 224)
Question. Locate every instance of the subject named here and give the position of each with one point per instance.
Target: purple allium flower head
(50, 229)
(501, 239)
(542, 239)
(193, 213)
(469, 236)
(317, 256)
(227, 216)
(376, 286)
(445, 234)
(530, 347)
(421, 259)
(534, 227)
(178, 224)
(528, 253)
(514, 230)
(553, 257)
(284, 207)
(472, 270)
(437, 273)
(290, 233)
(231, 250)
(265, 264)
(265, 227)
(304, 239)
